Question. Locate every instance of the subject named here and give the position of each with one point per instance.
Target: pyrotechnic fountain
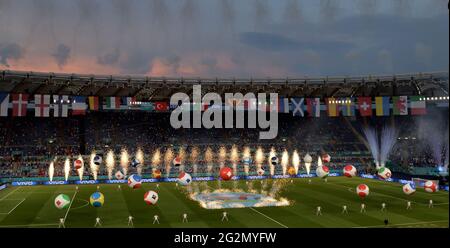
(182, 155)
(388, 138)
(156, 159)
(168, 157)
(222, 158)
(110, 163)
(140, 158)
(51, 171)
(284, 161)
(66, 168)
(94, 168)
(124, 161)
(372, 139)
(295, 161)
(272, 154)
(246, 158)
(234, 157)
(308, 160)
(209, 159)
(194, 160)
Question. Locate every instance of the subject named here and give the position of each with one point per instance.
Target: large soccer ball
(119, 175)
(349, 170)
(430, 186)
(326, 158)
(409, 188)
(291, 170)
(134, 181)
(274, 160)
(151, 197)
(322, 171)
(226, 173)
(260, 172)
(362, 190)
(307, 158)
(384, 173)
(62, 201)
(176, 161)
(97, 159)
(97, 199)
(156, 174)
(184, 178)
(78, 164)
(135, 163)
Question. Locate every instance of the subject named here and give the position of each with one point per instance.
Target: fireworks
(110, 164)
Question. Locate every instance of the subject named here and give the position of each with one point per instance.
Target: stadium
(106, 146)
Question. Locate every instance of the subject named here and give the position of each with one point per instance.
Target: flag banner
(79, 105)
(161, 106)
(42, 105)
(283, 105)
(206, 105)
(418, 105)
(60, 106)
(313, 107)
(128, 101)
(20, 102)
(400, 105)
(113, 102)
(298, 106)
(365, 106)
(332, 107)
(4, 103)
(93, 103)
(347, 106)
(147, 106)
(382, 106)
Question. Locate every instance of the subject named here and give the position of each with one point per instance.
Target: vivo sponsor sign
(3, 186)
(150, 180)
(402, 181)
(280, 176)
(255, 177)
(115, 181)
(24, 183)
(367, 176)
(87, 182)
(203, 178)
(175, 179)
(55, 182)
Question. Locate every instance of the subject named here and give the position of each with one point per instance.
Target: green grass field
(34, 207)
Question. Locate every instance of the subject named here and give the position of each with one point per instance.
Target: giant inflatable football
(409, 188)
(430, 186)
(134, 181)
(151, 197)
(362, 190)
(384, 173)
(322, 171)
(184, 178)
(62, 201)
(226, 173)
(349, 170)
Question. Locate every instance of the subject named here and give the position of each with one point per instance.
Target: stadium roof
(161, 88)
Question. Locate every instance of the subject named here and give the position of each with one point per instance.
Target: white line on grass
(405, 224)
(9, 193)
(70, 205)
(268, 217)
(16, 206)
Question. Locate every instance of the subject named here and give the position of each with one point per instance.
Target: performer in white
(319, 211)
(76, 188)
(98, 187)
(155, 219)
(157, 185)
(383, 207)
(118, 187)
(97, 222)
(408, 205)
(309, 181)
(363, 208)
(430, 204)
(185, 219)
(224, 216)
(61, 223)
(130, 220)
(344, 209)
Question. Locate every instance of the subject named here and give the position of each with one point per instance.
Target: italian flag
(113, 102)
(418, 105)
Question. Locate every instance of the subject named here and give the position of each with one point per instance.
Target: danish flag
(20, 102)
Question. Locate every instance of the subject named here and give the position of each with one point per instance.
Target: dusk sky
(225, 38)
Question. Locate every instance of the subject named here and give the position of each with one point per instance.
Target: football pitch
(34, 206)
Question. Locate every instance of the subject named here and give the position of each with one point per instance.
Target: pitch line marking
(405, 224)
(9, 193)
(70, 205)
(87, 203)
(268, 217)
(16, 206)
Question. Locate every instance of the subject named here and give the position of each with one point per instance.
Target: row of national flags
(61, 106)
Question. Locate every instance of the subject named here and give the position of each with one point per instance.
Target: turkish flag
(161, 106)
(365, 106)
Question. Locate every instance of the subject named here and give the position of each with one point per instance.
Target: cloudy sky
(225, 38)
